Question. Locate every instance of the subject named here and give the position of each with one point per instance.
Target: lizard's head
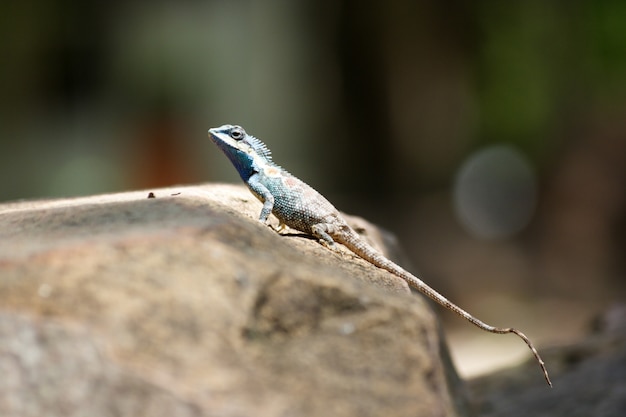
(231, 137)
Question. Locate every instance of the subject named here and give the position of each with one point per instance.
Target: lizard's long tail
(356, 244)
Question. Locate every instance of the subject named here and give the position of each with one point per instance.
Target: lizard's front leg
(261, 191)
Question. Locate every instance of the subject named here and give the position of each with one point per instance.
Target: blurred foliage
(544, 63)
(409, 87)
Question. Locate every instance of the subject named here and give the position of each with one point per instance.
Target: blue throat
(242, 161)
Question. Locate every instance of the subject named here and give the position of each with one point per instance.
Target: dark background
(489, 136)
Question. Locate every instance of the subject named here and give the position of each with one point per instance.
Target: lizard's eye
(237, 133)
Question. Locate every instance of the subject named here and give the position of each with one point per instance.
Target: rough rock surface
(185, 305)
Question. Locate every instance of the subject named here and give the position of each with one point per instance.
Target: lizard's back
(297, 204)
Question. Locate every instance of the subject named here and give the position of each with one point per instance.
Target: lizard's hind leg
(320, 231)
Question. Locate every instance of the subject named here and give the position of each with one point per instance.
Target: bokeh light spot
(495, 192)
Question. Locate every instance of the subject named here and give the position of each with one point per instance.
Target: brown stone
(183, 304)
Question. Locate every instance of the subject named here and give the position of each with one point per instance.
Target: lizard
(299, 206)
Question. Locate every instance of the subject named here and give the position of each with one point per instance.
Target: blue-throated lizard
(300, 207)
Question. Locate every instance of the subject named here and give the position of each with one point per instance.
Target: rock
(180, 303)
(589, 378)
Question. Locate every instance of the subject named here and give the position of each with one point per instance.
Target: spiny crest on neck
(259, 147)
(263, 151)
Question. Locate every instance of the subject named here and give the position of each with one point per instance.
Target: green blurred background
(489, 136)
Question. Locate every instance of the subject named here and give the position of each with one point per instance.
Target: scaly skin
(300, 207)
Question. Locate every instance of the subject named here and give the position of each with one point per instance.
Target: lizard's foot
(266, 222)
(332, 246)
(326, 244)
(281, 227)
